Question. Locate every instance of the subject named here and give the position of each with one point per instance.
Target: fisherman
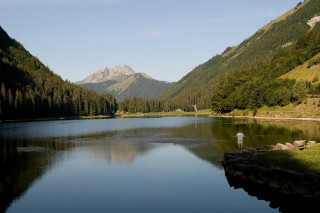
(240, 137)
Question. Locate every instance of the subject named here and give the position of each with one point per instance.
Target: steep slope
(269, 85)
(124, 83)
(309, 71)
(30, 90)
(252, 52)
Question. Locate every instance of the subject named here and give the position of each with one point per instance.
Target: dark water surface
(132, 165)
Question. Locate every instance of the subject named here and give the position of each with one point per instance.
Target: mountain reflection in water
(203, 137)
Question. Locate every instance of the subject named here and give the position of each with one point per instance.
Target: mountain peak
(121, 70)
(106, 74)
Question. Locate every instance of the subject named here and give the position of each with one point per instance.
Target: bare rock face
(106, 74)
(121, 70)
(312, 22)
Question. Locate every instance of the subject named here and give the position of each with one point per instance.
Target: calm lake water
(132, 165)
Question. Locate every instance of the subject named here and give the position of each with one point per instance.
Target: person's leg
(240, 144)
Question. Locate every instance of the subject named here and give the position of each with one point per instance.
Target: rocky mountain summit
(107, 74)
(123, 82)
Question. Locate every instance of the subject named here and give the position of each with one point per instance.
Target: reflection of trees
(209, 152)
(201, 131)
(20, 170)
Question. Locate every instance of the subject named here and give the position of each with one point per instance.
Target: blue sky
(165, 39)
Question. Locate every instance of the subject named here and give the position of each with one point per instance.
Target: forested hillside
(197, 86)
(253, 88)
(30, 90)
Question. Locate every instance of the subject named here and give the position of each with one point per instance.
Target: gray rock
(289, 145)
(282, 147)
(299, 143)
(311, 143)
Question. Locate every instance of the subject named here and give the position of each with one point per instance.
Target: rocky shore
(285, 189)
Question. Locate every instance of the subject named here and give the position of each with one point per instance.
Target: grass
(307, 160)
(94, 116)
(307, 109)
(302, 72)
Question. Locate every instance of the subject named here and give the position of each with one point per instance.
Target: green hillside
(309, 71)
(251, 53)
(31, 90)
(254, 88)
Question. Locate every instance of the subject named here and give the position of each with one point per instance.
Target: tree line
(145, 105)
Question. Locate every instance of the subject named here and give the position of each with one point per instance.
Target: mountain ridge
(106, 74)
(122, 82)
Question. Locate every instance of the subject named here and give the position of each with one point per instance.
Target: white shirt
(240, 136)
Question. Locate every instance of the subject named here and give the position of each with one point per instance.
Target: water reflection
(205, 138)
(19, 171)
(277, 199)
(119, 151)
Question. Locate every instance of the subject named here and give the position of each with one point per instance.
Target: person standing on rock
(240, 137)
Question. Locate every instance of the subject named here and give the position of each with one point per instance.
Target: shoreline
(169, 114)
(56, 118)
(162, 114)
(265, 118)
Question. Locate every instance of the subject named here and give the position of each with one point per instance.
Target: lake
(167, 164)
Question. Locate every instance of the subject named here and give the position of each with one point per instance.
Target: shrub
(255, 110)
(299, 91)
(315, 79)
(313, 62)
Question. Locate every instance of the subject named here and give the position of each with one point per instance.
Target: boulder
(311, 143)
(299, 143)
(289, 145)
(282, 147)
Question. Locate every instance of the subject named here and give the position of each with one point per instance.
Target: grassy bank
(157, 114)
(310, 108)
(307, 160)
